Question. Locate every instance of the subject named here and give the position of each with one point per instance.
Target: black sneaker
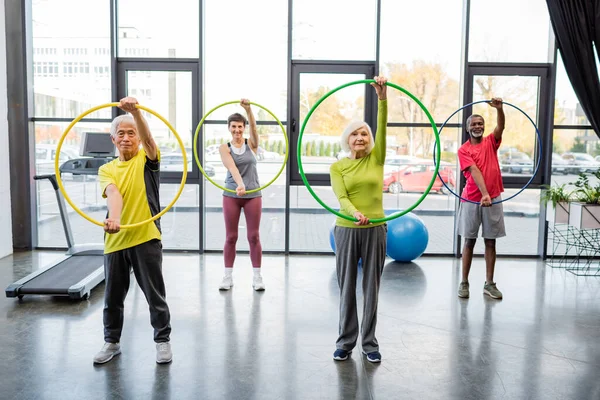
(341, 355)
(373, 356)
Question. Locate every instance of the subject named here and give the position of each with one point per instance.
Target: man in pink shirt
(478, 160)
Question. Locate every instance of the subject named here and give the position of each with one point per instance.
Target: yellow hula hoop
(195, 146)
(84, 215)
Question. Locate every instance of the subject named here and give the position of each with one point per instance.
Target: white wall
(6, 244)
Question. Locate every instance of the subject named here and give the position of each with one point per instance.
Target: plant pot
(584, 216)
(558, 215)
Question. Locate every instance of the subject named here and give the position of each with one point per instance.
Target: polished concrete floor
(541, 342)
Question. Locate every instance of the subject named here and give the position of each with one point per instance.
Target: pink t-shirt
(484, 156)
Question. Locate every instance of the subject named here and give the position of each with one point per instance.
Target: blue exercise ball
(332, 241)
(407, 238)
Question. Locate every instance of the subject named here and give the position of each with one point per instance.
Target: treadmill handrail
(50, 177)
(62, 208)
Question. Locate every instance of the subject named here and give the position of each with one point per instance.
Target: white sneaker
(109, 350)
(227, 283)
(258, 284)
(164, 354)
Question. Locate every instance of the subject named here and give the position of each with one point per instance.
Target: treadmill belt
(61, 277)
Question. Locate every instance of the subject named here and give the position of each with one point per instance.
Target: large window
(419, 59)
(149, 28)
(67, 63)
(513, 31)
(245, 54)
(212, 52)
(332, 30)
(567, 110)
(84, 190)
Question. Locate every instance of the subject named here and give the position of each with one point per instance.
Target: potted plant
(556, 199)
(585, 212)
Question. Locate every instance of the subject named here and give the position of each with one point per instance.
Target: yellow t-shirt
(138, 181)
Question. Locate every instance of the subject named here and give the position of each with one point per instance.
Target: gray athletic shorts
(470, 216)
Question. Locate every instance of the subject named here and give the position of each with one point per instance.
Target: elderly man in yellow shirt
(131, 186)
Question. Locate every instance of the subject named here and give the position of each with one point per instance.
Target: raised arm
(497, 104)
(232, 168)
(382, 114)
(253, 140)
(148, 143)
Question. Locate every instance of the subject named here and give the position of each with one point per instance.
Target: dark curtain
(576, 25)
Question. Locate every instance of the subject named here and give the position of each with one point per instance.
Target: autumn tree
(330, 117)
(438, 92)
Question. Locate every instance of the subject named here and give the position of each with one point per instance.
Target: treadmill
(82, 268)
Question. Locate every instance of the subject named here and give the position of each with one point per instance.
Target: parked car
(516, 162)
(395, 163)
(416, 178)
(559, 165)
(581, 162)
(45, 155)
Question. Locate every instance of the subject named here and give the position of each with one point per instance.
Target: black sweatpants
(146, 261)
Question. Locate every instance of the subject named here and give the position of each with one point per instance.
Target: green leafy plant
(586, 192)
(556, 194)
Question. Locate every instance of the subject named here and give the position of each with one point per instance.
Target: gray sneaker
(491, 290)
(109, 350)
(164, 355)
(463, 290)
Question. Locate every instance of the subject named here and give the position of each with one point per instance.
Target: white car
(45, 155)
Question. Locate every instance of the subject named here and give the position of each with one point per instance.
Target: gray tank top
(246, 164)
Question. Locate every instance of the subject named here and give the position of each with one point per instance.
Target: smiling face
(126, 139)
(359, 140)
(237, 128)
(476, 126)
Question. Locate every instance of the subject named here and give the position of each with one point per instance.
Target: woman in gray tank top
(239, 157)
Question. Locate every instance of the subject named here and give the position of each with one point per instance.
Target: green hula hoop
(198, 159)
(437, 153)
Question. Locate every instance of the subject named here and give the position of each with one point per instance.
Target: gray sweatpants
(353, 244)
(146, 261)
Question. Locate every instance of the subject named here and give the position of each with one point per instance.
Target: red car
(416, 178)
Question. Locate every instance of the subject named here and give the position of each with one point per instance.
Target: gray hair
(114, 126)
(471, 117)
(353, 126)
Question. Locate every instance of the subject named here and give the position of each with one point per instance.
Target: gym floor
(541, 342)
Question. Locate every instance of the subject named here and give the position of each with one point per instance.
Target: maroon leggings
(232, 207)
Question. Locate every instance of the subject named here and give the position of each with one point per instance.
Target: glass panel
(405, 180)
(270, 157)
(83, 189)
(246, 54)
(527, 39)
(311, 222)
(516, 155)
(157, 31)
(71, 58)
(180, 226)
(567, 110)
(321, 138)
(427, 64)
(521, 218)
(577, 150)
(314, 39)
(169, 93)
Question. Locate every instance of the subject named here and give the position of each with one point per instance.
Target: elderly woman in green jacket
(357, 181)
